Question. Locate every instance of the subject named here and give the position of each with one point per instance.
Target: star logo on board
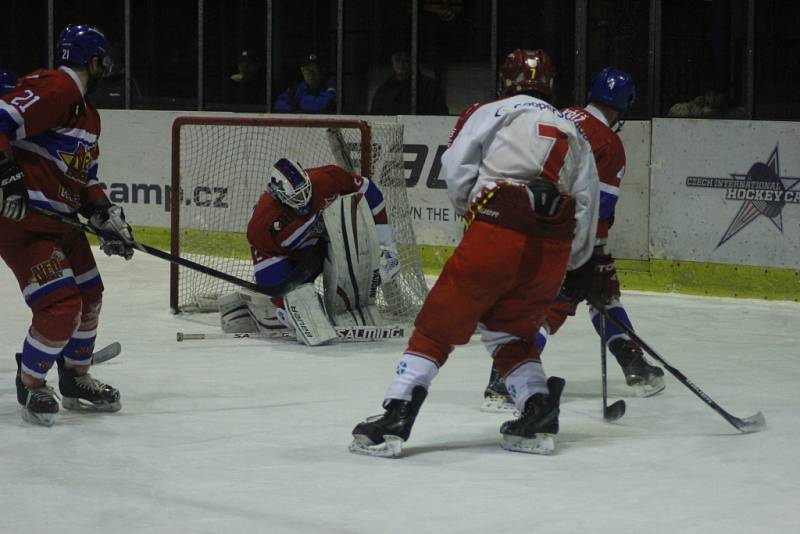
(762, 190)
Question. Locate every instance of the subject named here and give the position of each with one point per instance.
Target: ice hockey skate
(533, 431)
(384, 435)
(84, 393)
(496, 398)
(39, 404)
(645, 379)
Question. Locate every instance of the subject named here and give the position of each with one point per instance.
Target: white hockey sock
(524, 381)
(412, 371)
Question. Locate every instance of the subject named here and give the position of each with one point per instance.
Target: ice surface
(251, 436)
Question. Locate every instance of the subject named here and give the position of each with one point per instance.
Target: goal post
(219, 171)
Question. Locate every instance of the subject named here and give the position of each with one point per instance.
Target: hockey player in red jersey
(610, 95)
(286, 231)
(48, 158)
(525, 180)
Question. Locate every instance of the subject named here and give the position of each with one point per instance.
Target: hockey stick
(78, 225)
(106, 353)
(344, 334)
(754, 423)
(616, 410)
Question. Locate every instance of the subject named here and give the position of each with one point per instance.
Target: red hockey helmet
(527, 70)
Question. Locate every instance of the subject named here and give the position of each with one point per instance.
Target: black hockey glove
(605, 284)
(114, 234)
(578, 282)
(13, 193)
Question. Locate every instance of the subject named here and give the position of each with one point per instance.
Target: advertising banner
(726, 192)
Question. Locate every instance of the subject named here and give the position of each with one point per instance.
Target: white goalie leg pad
(263, 312)
(234, 314)
(305, 312)
(352, 266)
(524, 381)
(412, 371)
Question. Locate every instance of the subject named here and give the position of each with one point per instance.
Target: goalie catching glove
(390, 259)
(113, 232)
(13, 193)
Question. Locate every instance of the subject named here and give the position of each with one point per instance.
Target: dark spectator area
(727, 59)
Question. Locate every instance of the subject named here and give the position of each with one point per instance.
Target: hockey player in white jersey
(524, 178)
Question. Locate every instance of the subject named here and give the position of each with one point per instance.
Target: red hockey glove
(605, 284)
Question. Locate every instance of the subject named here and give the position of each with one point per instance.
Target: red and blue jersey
(278, 235)
(609, 157)
(53, 132)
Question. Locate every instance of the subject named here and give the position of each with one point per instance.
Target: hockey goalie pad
(263, 312)
(307, 316)
(234, 315)
(351, 272)
(243, 312)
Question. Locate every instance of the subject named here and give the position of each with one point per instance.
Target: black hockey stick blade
(106, 353)
(754, 423)
(615, 411)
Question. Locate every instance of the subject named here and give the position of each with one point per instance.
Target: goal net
(219, 171)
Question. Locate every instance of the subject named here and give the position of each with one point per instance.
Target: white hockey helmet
(290, 184)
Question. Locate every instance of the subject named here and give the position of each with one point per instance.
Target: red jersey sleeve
(43, 100)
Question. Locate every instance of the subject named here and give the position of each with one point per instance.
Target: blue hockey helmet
(614, 88)
(8, 81)
(79, 43)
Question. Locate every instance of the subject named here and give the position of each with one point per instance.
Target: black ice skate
(645, 379)
(39, 405)
(383, 435)
(496, 397)
(84, 393)
(533, 431)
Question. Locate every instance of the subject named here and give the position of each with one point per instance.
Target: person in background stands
(311, 95)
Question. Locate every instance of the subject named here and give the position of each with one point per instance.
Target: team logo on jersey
(79, 161)
(48, 270)
(69, 196)
(762, 190)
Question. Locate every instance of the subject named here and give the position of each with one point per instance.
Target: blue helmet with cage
(79, 43)
(8, 81)
(614, 88)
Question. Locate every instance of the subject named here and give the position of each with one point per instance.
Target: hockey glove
(13, 193)
(578, 282)
(605, 284)
(114, 234)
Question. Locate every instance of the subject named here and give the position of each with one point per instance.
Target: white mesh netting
(221, 169)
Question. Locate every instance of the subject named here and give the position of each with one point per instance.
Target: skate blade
(81, 405)
(41, 419)
(392, 446)
(497, 405)
(648, 389)
(539, 444)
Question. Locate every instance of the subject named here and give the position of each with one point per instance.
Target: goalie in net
(323, 220)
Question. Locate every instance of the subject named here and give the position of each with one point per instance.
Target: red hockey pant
(58, 278)
(500, 277)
